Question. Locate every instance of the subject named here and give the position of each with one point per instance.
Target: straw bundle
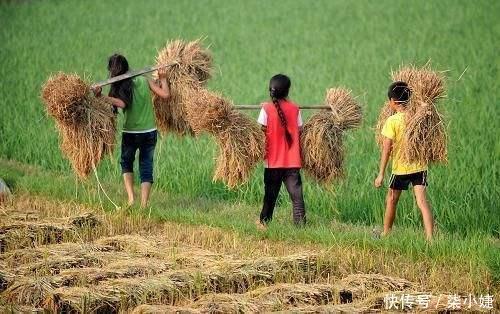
(160, 309)
(295, 294)
(29, 234)
(208, 112)
(226, 303)
(424, 139)
(192, 109)
(322, 136)
(240, 140)
(191, 68)
(81, 300)
(362, 285)
(29, 291)
(241, 147)
(86, 124)
(129, 243)
(65, 97)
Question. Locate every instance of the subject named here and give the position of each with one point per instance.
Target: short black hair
(399, 91)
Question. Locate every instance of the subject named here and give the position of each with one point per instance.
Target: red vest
(278, 153)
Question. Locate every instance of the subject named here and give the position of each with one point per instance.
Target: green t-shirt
(139, 115)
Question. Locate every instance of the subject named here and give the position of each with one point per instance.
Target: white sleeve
(262, 120)
(299, 120)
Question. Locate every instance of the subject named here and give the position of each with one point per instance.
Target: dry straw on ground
(86, 124)
(196, 269)
(322, 136)
(191, 68)
(424, 139)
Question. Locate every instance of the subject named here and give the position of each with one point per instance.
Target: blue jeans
(145, 143)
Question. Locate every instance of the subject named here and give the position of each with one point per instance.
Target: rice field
(320, 45)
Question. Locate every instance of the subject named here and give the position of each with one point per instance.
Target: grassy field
(319, 44)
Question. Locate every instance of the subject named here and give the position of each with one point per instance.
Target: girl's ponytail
(282, 117)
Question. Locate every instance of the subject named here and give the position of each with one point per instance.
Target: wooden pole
(156, 67)
(130, 75)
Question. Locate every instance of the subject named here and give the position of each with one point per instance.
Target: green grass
(319, 44)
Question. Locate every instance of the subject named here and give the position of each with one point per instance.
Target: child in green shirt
(139, 129)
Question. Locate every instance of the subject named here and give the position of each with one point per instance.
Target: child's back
(281, 121)
(394, 130)
(403, 173)
(279, 153)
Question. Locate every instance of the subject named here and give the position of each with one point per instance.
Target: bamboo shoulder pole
(130, 74)
(149, 69)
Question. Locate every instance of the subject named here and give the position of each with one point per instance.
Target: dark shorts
(401, 182)
(145, 143)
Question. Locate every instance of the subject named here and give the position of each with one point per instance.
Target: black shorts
(401, 182)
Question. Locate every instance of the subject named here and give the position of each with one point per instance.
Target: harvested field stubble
(117, 270)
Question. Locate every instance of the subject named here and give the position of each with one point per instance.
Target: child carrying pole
(281, 121)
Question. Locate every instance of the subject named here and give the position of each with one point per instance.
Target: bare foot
(130, 202)
(260, 225)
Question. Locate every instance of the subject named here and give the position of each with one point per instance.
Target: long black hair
(279, 86)
(400, 92)
(118, 65)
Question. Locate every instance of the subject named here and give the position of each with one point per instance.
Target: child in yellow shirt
(403, 173)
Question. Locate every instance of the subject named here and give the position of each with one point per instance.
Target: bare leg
(145, 191)
(390, 209)
(425, 209)
(128, 180)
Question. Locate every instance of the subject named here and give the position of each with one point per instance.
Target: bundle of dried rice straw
(194, 110)
(86, 124)
(240, 140)
(425, 139)
(322, 136)
(192, 67)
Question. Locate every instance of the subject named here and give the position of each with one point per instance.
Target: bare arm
(384, 159)
(162, 90)
(117, 102)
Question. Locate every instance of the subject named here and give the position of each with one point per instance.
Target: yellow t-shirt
(394, 130)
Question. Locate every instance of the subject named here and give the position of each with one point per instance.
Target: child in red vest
(282, 122)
